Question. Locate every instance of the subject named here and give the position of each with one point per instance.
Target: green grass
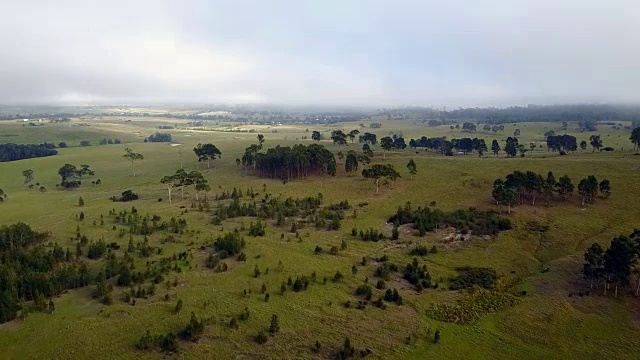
(546, 324)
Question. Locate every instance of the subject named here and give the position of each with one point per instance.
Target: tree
(495, 147)
(596, 142)
(260, 138)
(378, 171)
(85, 143)
(28, 176)
(504, 194)
(516, 132)
(367, 150)
(564, 125)
(3, 196)
(368, 138)
(338, 137)
(316, 136)
(70, 176)
(80, 202)
(605, 188)
(208, 152)
(351, 162)
(511, 148)
(201, 184)
(635, 139)
(618, 261)
(588, 188)
(583, 145)
(132, 157)
(594, 260)
(486, 128)
(548, 187)
(411, 166)
(564, 187)
(386, 143)
(352, 134)
(274, 326)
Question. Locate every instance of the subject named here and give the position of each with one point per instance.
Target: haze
(365, 53)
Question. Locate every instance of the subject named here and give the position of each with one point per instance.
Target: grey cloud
(376, 53)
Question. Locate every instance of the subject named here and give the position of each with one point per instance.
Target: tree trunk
(534, 200)
(182, 192)
(169, 190)
(616, 291)
(208, 163)
(377, 185)
(197, 192)
(509, 208)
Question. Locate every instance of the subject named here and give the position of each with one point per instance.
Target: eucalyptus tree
(132, 157)
(378, 171)
(207, 152)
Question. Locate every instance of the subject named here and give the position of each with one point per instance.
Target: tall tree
(564, 187)
(411, 166)
(495, 147)
(28, 176)
(548, 187)
(588, 188)
(635, 138)
(378, 171)
(351, 162)
(260, 140)
(596, 142)
(619, 258)
(316, 136)
(207, 152)
(201, 184)
(605, 188)
(386, 143)
(169, 182)
(132, 157)
(594, 263)
(339, 137)
(511, 148)
(352, 134)
(367, 150)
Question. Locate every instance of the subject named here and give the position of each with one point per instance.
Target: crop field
(548, 316)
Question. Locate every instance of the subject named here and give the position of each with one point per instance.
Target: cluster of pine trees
(615, 264)
(520, 186)
(284, 162)
(29, 270)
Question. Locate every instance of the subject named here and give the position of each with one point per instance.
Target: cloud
(374, 53)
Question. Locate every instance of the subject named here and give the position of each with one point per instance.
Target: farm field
(542, 269)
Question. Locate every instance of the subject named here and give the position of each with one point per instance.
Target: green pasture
(547, 324)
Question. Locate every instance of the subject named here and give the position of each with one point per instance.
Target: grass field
(546, 324)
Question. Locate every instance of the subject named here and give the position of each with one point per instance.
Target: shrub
(261, 337)
(364, 291)
(337, 277)
(419, 251)
(470, 276)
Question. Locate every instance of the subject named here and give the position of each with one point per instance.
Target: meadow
(545, 268)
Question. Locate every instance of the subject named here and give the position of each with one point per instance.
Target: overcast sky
(322, 52)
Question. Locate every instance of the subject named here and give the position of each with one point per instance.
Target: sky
(322, 52)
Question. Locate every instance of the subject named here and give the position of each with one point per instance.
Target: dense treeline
(519, 186)
(283, 162)
(159, 137)
(13, 152)
(615, 264)
(30, 271)
(446, 147)
(471, 220)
